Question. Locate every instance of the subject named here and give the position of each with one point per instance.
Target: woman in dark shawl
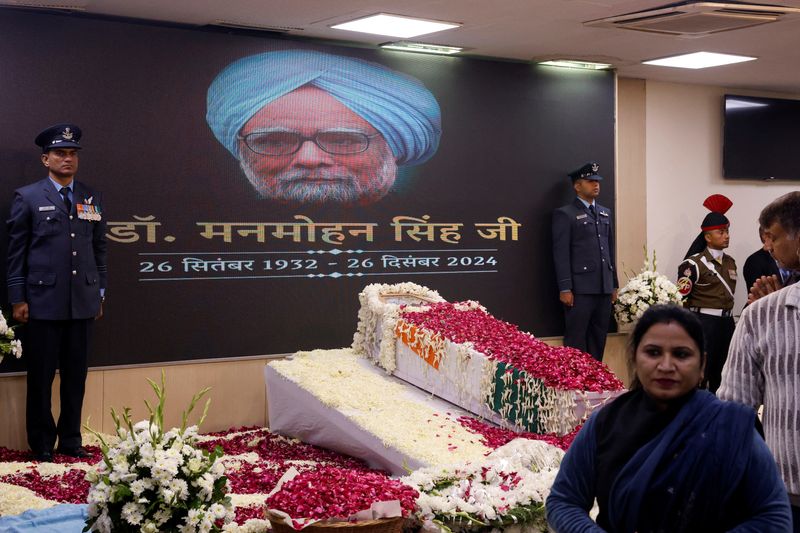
(665, 456)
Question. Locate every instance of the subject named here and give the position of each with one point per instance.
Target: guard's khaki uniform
(711, 284)
(708, 287)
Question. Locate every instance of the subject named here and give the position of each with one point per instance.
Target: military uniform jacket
(704, 282)
(56, 260)
(583, 249)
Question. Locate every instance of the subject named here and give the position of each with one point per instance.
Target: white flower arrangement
(508, 489)
(647, 288)
(378, 315)
(153, 481)
(8, 344)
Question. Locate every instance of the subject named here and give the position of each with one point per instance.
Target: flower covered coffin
(339, 401)
(460, 352)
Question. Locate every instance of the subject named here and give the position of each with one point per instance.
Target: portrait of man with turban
(311, 128)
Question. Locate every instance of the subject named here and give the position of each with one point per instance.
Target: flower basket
(646, 288)
(335, 499)
(157, 481)
(382, 525)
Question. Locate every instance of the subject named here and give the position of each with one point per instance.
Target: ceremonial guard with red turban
(707, 281)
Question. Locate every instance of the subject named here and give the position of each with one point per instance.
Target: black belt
(711, 311)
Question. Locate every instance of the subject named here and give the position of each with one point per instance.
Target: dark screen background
(761, 136)
(511, 133)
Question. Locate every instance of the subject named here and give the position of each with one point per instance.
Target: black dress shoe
(43, 457)
(79, 452)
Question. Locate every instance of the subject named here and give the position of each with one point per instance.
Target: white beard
(323, 185)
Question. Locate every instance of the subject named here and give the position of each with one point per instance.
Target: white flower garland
(469, 305)
(377, 318)
(493, 490)
(16, 499)
(553, 409)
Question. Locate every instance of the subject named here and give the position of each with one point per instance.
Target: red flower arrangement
(274, 448)
(340, 485)
(69, 487)
(243, 514)
(255, 478)
(495, 437)
(558, 367)
(331, 492)
(276, 454)
(8, 455)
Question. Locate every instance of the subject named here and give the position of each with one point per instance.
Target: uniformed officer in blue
(56, 281)
(583, 252)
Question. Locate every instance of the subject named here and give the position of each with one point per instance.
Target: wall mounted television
(761, 138)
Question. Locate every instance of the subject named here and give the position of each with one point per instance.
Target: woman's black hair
(664, 314)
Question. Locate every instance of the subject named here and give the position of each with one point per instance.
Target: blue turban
(400, 107)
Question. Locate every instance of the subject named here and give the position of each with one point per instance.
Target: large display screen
(760, 138)
(253, 185)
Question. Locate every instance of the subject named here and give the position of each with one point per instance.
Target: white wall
(684, 166)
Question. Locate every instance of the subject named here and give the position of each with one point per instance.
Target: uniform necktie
(65, 193)
(591, 209)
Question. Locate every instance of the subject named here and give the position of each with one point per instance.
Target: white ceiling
(512, 29)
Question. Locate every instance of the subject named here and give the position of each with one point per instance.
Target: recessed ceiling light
(698, 60)
(570, 63)
(395, 25)
(408, 46)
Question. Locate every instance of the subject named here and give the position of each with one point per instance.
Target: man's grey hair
(786, 211)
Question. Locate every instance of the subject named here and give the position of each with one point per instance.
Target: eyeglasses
(277, 143)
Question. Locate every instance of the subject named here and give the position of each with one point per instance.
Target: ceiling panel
(510, 29)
